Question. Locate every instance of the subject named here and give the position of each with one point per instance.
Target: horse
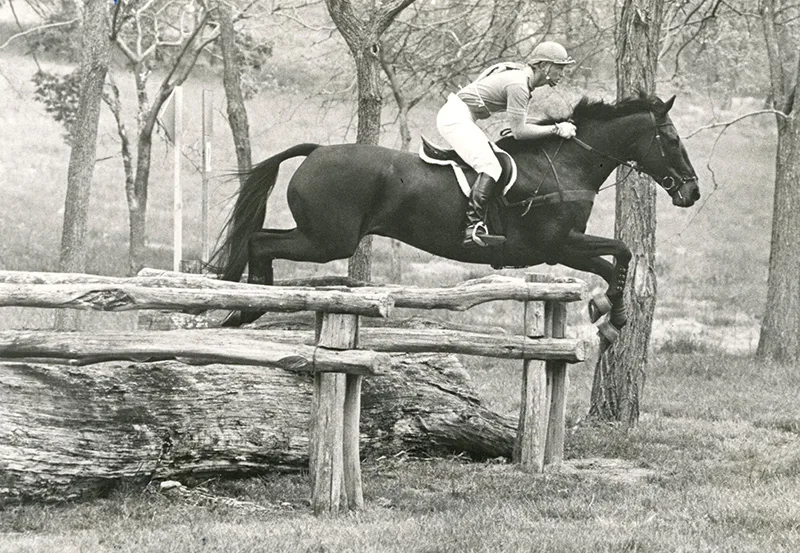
(340, 193)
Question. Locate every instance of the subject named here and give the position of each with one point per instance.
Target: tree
(780, 327)
(146, 33)
(231, 78)
(96, 47)
(620, 368)
(363, 38)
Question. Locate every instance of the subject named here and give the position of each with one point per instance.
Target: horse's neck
(612, 138)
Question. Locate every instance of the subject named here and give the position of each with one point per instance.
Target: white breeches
(456, 125)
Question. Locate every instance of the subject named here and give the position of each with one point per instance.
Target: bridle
(668, 183)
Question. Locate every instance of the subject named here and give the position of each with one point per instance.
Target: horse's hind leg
(269, 244)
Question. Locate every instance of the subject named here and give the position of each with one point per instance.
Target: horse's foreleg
(583, 252)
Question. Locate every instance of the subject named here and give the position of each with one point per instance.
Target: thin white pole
(177, 201)
(208, 132)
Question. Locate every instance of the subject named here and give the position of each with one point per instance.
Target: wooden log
(326, 443)
(557, 383)
(455, 298)
(248, 347)
(123, 296)
(459, 297)
(532, 430)
(71, 432)
(502, 346)
(197, 346)
(166, 279)
(351, 442)
(336, 463)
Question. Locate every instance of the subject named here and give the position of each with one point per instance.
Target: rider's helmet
(551, 52)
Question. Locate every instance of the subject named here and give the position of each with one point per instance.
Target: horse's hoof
(599, 305)
(608, 330)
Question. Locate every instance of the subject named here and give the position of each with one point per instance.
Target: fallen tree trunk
(72, 432)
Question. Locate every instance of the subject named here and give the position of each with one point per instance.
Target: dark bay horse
(341, 193)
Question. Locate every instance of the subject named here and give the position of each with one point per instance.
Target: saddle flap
(430, 150)
(437, 155)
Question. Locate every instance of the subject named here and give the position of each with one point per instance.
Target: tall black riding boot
(477, 233)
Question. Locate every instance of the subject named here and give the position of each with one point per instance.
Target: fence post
(532, 428)
(351, 441)
(555, 317)
(334, 457)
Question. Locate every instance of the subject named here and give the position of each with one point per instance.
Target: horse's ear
(668, 104)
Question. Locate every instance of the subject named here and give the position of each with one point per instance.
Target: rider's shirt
(506, 90)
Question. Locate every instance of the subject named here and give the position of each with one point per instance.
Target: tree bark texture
(780, 327)
(620, 369)
(95, 51)
(232, 82)
(72, 432)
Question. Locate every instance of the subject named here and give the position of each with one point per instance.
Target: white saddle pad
(461, 178)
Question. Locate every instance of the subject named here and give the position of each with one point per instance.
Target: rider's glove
(565, 129)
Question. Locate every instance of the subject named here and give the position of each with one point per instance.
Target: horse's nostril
(696, 194)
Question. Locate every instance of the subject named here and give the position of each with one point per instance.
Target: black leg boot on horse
(477, 233)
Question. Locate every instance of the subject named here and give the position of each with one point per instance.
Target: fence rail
(339, 353)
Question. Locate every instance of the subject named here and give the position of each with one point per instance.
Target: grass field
(714, 465)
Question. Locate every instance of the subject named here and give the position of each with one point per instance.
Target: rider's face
(555, 72)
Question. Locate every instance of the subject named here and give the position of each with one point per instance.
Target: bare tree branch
(727, 124)
(36, 30)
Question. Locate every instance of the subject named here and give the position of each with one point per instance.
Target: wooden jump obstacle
(339, 354)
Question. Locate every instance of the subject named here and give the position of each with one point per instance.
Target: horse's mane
(601, 110)
(595, 110)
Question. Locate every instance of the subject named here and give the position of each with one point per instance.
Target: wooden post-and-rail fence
(339, 354)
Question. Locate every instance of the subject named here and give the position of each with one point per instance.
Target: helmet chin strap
(550, 82)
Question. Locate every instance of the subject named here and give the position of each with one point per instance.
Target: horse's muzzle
(684, 192)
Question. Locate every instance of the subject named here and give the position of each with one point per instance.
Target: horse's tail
(248, 214)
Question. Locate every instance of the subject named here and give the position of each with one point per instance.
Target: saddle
(437, 155)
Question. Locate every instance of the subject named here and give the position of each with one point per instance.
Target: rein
(672, 186)
(668, 183)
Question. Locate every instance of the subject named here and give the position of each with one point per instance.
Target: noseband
(668, 183)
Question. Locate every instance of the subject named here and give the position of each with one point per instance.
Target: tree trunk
(396, 264)
(780, 327)
(369, 132)
(136, 189)
(620, 369)
(75, 432)
(95, 48)
(237, 113)
(363, 37)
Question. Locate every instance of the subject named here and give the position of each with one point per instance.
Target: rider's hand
(564, 129)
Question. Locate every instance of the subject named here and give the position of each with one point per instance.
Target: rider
(502, 87)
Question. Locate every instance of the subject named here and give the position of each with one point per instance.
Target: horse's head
(658, 150)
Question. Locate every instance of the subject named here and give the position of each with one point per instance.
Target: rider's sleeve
(517, 97)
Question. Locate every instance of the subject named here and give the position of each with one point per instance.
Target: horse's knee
(623, 254)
